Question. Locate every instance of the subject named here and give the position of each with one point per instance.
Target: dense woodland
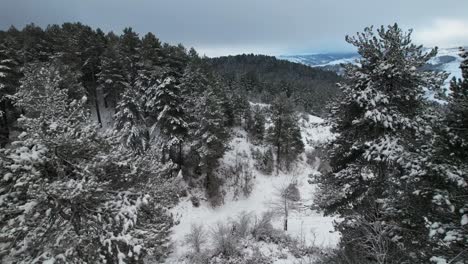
(263, 78)
(74, 189)
(77, 190)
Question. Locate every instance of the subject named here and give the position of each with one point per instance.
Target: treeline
(264, 77)
(399, 163)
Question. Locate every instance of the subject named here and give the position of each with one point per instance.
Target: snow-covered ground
(309, 226)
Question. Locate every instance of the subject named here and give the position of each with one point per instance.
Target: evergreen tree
(256, 127)
(112, 79)
(35, 46)
(92, 45)
(240, 106)
(9, 75)
(151, 51)
(284, 134)
(129, 51)
(165, 102)
(445, 189)
(380, 150)
(130, 119)
(70, 194)
(209, 138)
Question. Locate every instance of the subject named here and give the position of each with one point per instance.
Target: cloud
(217, 27)
(444, 32)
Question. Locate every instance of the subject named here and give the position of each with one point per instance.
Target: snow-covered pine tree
(445, 189)
(92, 43)
(165, 101)
(150, 49)
(209, 136)
(112, 79)
(130, 118)
(9, 75)
(380, 148)
(34, 45)
(129, 50)
(175, 60)
(284, 134)
(70, 195)
(256, 124)
(240, 106)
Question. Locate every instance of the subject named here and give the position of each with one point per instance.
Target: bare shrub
(242, 225)
(262, 227)
(196, 238)
(225, 241)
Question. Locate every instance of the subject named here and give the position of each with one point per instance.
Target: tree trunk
(96, 101)
(278, 147)
(286, 212)
(6, 131)
(179, 158)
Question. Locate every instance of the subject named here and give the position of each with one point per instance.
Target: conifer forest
(118, 145)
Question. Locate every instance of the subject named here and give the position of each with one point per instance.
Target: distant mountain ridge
(447, 59)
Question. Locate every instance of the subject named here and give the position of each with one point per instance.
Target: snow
(438, 260)
(307, 225)
(464, 220)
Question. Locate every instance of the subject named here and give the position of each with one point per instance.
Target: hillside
(310, 228)
(264, 77)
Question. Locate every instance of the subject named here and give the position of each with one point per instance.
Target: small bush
(262, 227)
(225, 241)
(195, 201)
(241, 227)
(196, 238)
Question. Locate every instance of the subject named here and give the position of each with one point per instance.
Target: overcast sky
(219, 27)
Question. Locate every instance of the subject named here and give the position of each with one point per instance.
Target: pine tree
(445, 188)
(9, 75)
(92, 43)
(240, 106)
(129, 51)
(284, 134)
(130, 121)
(112, 79)
(256, 127)
(72, 195)
(35, 45)
(165, 102)
(209, 138)
(151, 51)
(381, 149)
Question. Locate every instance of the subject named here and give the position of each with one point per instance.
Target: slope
(306, 225)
